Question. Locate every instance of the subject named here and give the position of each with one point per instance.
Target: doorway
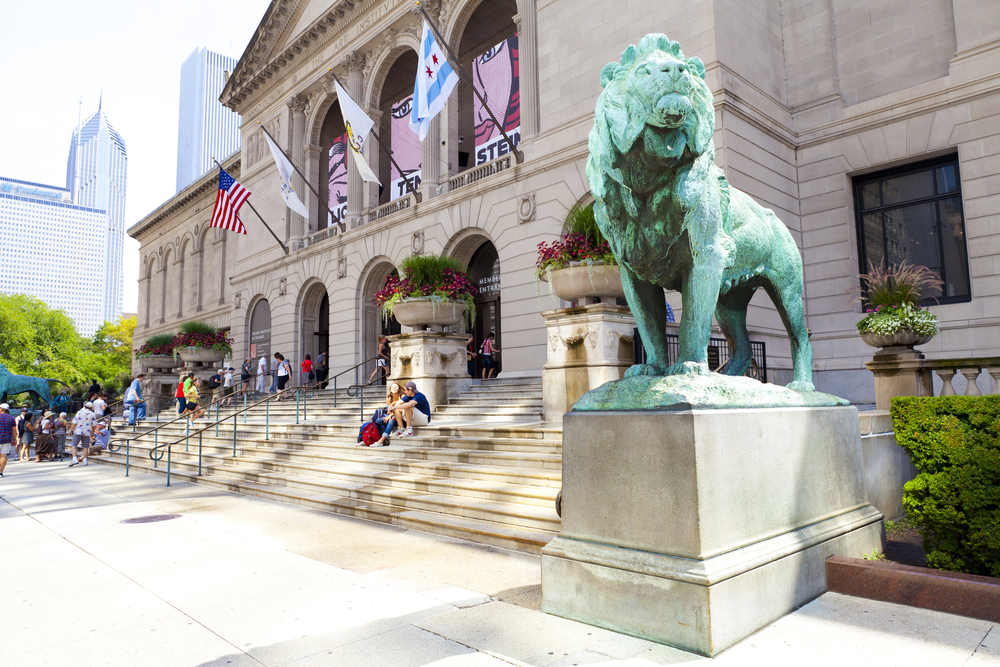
(484, 273)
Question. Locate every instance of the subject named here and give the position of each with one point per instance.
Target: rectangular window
(913, 214)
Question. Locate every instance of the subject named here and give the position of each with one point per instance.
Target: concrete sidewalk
(240, 581)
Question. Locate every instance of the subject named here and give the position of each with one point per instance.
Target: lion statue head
(659, 95)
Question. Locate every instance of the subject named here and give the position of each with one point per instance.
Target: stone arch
(312, 296)
(369, 317)
(463, 245)
(379, 70)
(248, 351)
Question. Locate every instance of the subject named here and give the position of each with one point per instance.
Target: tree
(114, 340)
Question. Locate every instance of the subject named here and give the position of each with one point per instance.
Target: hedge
(954, 442)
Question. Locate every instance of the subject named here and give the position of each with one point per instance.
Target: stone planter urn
(158, 362)
(424, 312)
(204, 355)
(581, 281)
(904, 339)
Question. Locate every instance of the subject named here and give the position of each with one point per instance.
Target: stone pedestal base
(899, 372)
(696, 528)
(435, 361)
(588, 346)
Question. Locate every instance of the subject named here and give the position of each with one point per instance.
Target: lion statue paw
(801, 385)
(689, 368)
(645, 369)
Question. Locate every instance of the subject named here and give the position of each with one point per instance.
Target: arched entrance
(315, 313)
(333, 167)
(373, 324)
(260, 331)
(484, 273)
(395, 103)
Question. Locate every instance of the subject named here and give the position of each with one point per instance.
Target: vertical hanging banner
(286, 171)
(495, 77)
(359, 126)
(405, 148)
(337, 186)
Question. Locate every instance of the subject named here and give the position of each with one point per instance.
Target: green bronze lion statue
(37, 388)
(673, 221)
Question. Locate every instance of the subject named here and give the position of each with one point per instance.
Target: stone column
(527, 44)
(374, 156)
(298, 225)
(434, 360)
(354, 63)
(587, 346)
(430, 160)
(314, 156)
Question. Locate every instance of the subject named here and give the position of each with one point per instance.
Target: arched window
(333, 167)
(395, 104)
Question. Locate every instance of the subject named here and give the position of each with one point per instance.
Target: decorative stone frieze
(435, 361)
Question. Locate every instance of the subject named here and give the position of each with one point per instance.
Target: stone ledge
(951, 592)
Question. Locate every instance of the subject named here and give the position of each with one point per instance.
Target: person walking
(60, 435)
(8, 437)
(135, 406)
(227, 386)
(100, 404)
(214, 387)
(283, 372)
(83, 424)
(308, 376)
(246, 372)
(179, 395)
(61, 401)
(382, 358)
(322, 368)
(487, 351)
(193, 396)
(262, 374)
(274, 372)
(24, 432)
(470, 355)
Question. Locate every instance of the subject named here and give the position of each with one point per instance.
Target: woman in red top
(181, 401)
(307, 369)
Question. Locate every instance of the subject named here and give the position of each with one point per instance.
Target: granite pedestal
(698, 527)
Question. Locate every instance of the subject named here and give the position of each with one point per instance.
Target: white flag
(286, 170)
(435, 81)
(358, 126)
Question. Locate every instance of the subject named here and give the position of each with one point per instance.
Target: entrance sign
(260, 329)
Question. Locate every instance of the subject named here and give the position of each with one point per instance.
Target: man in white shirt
(262, 374)
(83, 423)
(227, 386)
(100, 405)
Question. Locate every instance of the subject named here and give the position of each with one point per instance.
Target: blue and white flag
(435, 81)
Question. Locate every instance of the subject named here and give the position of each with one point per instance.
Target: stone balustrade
(394, 206)
(476, 174)
(970, 369)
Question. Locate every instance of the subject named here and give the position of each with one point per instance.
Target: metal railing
(719, 354)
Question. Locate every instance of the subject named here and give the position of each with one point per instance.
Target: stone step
(478, 530)
(441, 501)
(488, 400)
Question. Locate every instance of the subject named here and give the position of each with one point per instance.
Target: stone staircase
(486, 469)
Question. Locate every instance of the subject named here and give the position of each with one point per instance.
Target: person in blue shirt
(135, 407)
(415, 410)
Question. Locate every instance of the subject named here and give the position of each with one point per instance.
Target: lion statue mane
(673, 221)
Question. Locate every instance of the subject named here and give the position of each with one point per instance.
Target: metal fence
(718, 354)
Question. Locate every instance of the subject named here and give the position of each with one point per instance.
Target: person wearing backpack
(382, 358)
(487, 351)
(322, 367)
(214, 384)
(284, 373)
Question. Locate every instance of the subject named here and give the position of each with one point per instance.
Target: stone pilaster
(354, 64)
(527, 44)
(587, 346)
(374, 156)
(298, 227)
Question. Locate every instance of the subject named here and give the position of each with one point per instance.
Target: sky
(55, 52)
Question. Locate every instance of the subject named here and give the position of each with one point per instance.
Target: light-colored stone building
(871, 128)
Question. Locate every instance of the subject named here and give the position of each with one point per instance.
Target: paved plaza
(239, 581)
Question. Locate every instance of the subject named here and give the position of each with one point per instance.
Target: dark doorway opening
(484, 272)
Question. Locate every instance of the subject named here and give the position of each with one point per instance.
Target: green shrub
(196, 327)
(954, 442)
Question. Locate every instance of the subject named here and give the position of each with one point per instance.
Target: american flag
(227, 203)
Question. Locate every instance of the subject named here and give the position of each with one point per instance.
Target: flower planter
(426, 312)
(581, 280)
(904, 338)
(204, 355)
(158, 362)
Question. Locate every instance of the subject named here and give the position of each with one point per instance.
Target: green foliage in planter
(437, 278)
(158, 344)
(893, 296)
(581, 220)
(955, 500)
(202, 334)
(198, 328)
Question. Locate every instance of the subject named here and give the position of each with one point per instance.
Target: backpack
(369, 433)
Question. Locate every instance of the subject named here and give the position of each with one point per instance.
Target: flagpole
(518, 155)
(247, 202)
(416, 195)
(326, 207)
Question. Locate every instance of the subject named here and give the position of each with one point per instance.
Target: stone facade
(808, 95)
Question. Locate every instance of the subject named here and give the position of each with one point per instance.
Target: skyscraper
(206, 129)
(95, 176)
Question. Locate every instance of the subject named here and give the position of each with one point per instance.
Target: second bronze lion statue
(673, 221)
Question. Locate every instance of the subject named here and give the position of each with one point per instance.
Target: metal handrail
(354, 368)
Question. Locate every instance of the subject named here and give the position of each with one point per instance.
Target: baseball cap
(4, 406)
(62, 414)
(24, 409)
(88, 404)
(411, 385)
